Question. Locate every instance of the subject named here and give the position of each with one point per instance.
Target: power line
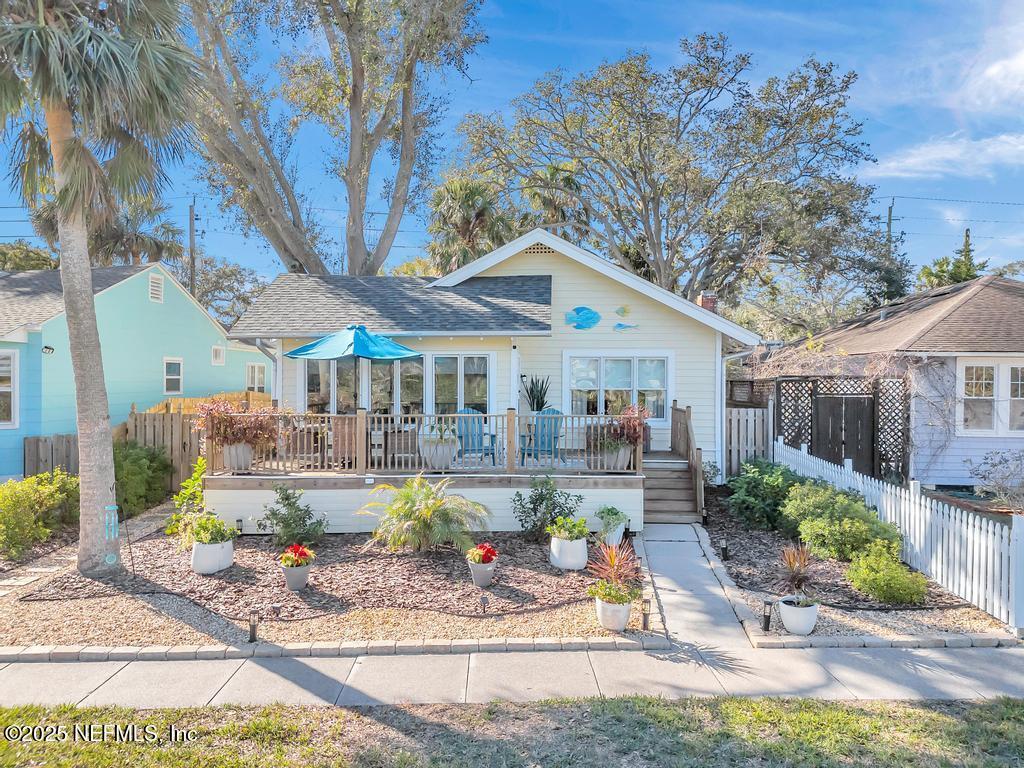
(956, 200)
(959, 236)
(947, 218)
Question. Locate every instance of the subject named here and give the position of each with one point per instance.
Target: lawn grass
(631, 732)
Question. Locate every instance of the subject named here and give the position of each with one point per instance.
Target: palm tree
(138, 232)
(466, 223)
(555, 194)
(100, 91)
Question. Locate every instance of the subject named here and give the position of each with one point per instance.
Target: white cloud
(956, 156)
(993, 81)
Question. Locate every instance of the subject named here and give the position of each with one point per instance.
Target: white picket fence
(974, 556)
(748, 435)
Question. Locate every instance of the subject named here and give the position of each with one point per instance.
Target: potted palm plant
(613, 524)
(618, 584)
(237, 434)
(296, 562)
(798, 612)
(482, 560)
(439, 443)
(568, 543)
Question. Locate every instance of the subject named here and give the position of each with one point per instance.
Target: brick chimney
(708, 300)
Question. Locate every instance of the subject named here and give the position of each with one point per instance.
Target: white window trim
(15, 387)
(156, 279)
(223, 355)
(181, 375)
(1001, 392)
(670, 375)
(252, 367)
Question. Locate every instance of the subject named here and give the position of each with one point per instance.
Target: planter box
(210, 558)
(614, 461)
(237, 458)
(438, 454)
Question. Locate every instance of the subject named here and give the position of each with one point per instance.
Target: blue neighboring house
(157, 342)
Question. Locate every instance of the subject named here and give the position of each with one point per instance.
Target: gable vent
(156, 288)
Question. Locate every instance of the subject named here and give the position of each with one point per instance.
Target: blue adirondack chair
(544, 440)
(474, 439)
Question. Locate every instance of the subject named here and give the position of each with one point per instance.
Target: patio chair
(401, 446)
(547, 427)
(474, 439)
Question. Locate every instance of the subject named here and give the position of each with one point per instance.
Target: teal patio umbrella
(354, 341)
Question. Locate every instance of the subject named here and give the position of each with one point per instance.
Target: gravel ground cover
(753, 563)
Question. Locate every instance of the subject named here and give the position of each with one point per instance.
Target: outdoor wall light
(238, 525)
(646, 614)
(766, 615)
(48, 350)
(254, 622)
(724, 547)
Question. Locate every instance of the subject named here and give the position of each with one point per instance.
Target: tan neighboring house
(537, 307)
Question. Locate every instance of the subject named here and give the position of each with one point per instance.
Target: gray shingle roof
(315, 305)
(34, 296)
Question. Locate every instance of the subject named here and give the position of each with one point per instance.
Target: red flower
(487, 552)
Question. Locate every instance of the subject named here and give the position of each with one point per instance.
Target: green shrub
(545, 503)
(140, 474)
(23, 506)
(840, 538)
(568, 528)
(210, 529)
(64, 490)
(759, 491)
(815, 499)
(421, 516)
(190, 505)
(291, 521)
(878, 573)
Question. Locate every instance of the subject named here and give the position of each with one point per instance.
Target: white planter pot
(612, 461)
(237, 457)
(614, 537)
(438, 454)
(613, 616)
(796, 619)
(482, 573)
(568, 555)
(210, 558)
(296, 577)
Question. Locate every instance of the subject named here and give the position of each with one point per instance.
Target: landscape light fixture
(724, 547)
(483, 603)
(238, 525)
(254, 622)
(766, 615)
(646, 614)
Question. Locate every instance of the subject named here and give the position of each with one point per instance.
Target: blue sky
(940, 93)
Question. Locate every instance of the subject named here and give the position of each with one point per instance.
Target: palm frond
(31, 165)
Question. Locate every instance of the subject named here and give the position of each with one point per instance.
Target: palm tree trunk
(99, 548)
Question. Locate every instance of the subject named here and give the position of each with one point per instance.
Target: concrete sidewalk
(711, 657)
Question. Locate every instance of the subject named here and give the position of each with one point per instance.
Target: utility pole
(888, 227)
(192, 246)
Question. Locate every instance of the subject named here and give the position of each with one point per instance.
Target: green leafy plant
(189, 503)
(710, 470)
(840, 538)
(140, 474)
(879, 574)
(23, 505)
(568, 528)
(611, 518)
(421, 515)
(759, 491)
(545, 503)
(440, 429)
(61, 491)
(210, 529)
(291, 521)
(536, 393)
(613, 592)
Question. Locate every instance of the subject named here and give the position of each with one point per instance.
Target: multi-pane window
(346, 385)
(256, 377)
(607, 385)
(382, 386)
(979, 397)
(318, 386)
(173, 376)
(446, 384)
(474, 382)
(7, 385)
(1016, 419)
(410, 385)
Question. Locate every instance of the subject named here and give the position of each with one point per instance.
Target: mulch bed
(754, 563)
(349, 573)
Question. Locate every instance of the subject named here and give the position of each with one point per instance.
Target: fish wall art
(582, 318)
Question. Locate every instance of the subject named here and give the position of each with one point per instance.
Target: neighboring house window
(217, 354)
(256, 377)
(156, 288)
(173, 376)
(8, 389)
(607, 385)
(1017, 398)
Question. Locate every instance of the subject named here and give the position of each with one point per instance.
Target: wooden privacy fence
(748, 435)
(244, 400)
(175, 433)
(972, 555)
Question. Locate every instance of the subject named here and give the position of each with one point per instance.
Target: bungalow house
(956, 351)
(157, 342)
(537, 307)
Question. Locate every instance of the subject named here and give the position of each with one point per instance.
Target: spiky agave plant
(795, 572)
(421, 515)
(616, 564)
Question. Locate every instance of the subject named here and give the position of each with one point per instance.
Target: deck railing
(508, 442)
(683, 443)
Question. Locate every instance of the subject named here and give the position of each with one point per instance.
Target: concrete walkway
(712, 657)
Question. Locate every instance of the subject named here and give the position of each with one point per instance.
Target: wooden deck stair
(669, 496)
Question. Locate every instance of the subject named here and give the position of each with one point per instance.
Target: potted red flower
(482, 559)
(296, 562)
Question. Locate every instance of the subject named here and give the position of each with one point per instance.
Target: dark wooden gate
(844, 428)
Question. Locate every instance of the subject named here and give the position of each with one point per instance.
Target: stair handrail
(689, 448)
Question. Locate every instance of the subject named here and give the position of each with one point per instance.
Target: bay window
(8, 388)
(607, 385)
(990, 396)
